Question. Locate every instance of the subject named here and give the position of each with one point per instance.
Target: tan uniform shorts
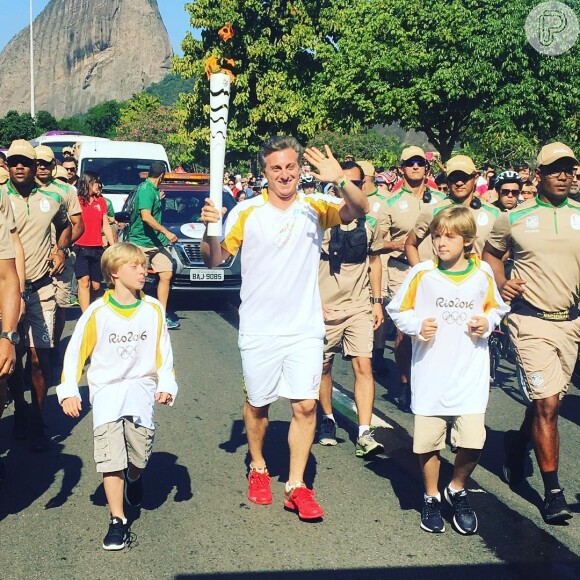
(63, 283)
(397, 273)
(160, 259)
(467, 431)
(547, 353)
(122, 442)
(349, 333)
(37, 324)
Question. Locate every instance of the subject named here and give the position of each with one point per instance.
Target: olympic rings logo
(127, 352)
(454, 317)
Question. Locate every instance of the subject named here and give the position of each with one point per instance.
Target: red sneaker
(301, 500)
(259, 491)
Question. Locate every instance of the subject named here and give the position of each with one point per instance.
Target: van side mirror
(122, 217)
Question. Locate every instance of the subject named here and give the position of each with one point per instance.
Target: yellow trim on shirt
(328, 213)
(235, 237)
(408, 302)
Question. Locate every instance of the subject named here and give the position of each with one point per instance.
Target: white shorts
(280, 366)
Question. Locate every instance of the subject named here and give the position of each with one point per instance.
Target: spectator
(70, 165)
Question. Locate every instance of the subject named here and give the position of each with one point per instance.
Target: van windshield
(117, 175)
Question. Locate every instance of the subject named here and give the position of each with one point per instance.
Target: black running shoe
(431, 520)
(327, 432)
(555, 509)
(516, 452)
(464, 517)
(134, 491)
(117, 536)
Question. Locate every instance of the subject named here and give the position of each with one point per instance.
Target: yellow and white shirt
(281, 252)
(450, 372)
(131, 359)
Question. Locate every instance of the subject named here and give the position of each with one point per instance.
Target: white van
(118, 164)
(58, 140)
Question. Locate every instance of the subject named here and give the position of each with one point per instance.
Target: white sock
(124, 520)
(362, 429)
(437, 497)
(331, 417)
(258, 469)
(290, 488)
(453, 491)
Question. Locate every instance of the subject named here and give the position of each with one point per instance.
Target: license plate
(206, 275)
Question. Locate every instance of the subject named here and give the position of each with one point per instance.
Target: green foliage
(102, 119)
(379, 149)
(169, 89)
(45, 122)
(15, 126)
(139, 108)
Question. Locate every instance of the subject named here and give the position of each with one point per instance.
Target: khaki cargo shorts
(547, 352)
(37, 324)
(122, 442)
(467, 431)
(160, 259)
(397, 273)
(349, 333)
(63, 283)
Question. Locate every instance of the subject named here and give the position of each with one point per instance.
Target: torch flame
(217, 64)
(226, 32)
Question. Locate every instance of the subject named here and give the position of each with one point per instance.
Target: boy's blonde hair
(456, 219)
(119, 254)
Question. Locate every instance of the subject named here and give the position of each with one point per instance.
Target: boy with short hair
(131, 368)
(449, 306)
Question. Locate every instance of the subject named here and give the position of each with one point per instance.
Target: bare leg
(430, 464)
(95, 290)
(256, 422)
(40, 367)
(325, 393)
(114, 484)
(84, 292)
(163, 287)
(364, 389)
(465, 462)
(545, 433)
(403, 356)
(301, 437)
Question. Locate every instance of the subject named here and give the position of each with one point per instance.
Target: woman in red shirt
(89, 247)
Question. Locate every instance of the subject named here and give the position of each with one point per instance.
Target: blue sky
(15, 15)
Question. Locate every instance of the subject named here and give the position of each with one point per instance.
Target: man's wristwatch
(13, 337)
(65, 250)
(377, 300)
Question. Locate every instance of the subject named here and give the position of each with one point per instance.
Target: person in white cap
(543, 235)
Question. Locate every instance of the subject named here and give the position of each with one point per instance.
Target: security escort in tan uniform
(404, 207)
(45, 172)
(377, 213)
(544, 237)
(348, 279)
(35, 212)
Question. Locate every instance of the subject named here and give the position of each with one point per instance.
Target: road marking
(346, 405)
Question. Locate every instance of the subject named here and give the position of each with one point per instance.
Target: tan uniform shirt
(6, 207)
(404, 209)
(545, 244)
(349, 289)
(485, 217)
(6, 246)
(34, 216)
(68, 194)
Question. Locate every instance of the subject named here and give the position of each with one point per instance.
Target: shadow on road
(276, 450)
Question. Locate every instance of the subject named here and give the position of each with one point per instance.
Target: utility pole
(32, 111)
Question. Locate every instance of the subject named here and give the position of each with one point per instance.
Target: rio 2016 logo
(552, 28)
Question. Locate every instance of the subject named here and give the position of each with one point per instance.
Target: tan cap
(21, 147)
(68, 150)
(60, 173)
(4, 175)
(44, 152)
(554, 151)
(460, 163)
(367, 167)
(412, 151)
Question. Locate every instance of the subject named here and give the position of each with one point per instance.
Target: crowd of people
(323, 273)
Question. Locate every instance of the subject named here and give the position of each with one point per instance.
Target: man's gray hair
(279, 143)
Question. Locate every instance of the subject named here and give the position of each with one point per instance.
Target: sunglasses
(514, 192)
(556, 172)
(18, 160)
(412, 162)
(70, 169)
(459, 176)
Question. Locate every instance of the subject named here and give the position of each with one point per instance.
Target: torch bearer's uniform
(281, 323)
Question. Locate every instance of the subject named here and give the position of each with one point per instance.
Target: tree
(15, 126)
(169, 89)
(102, 119)
(45, 122)
(138, 108)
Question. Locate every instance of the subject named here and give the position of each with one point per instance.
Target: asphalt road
(196, 521)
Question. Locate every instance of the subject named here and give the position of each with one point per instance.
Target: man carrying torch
(281, 324)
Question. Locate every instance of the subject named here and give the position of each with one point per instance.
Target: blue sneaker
(171, 323)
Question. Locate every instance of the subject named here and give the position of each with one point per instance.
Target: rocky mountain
(85, 52)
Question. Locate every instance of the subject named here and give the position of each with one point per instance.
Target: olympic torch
(220, 80)
(219, 103)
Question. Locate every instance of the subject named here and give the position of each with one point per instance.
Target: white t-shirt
(131, 360)
(281, 252)
(450, 372)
